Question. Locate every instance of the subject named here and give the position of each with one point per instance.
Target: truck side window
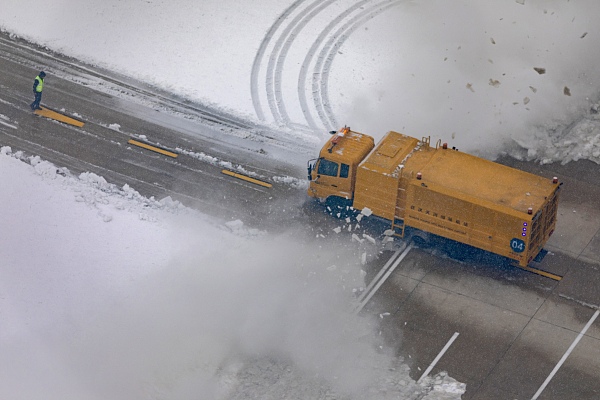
(328, 168)
(344, 170)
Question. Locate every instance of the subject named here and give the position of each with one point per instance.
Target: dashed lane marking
(152, 148)
(436, 359)
(564, 357)
(381, 278)
(48, 113)
(246, 178)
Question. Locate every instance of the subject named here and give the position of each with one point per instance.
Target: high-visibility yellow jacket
(38, 84)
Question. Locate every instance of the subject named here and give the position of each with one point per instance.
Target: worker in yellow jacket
(38, 86)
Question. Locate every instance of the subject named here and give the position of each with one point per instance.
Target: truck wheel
(421, 241)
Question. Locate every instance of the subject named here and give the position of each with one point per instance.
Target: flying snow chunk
(369, 238)
(337, 230)
(366, 212)
(494, 82)
(356, 238)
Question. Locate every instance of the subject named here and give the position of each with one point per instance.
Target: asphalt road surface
(518, 333)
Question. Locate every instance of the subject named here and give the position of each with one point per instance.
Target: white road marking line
(383, 279)
(564, 357)
(435, 361)
(379, 274)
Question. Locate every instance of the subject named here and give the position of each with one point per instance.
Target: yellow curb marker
(153, 148)
(45, 112)
(246, 178)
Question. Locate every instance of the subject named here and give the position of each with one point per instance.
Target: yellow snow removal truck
(437, 190)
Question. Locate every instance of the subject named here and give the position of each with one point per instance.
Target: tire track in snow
(321, 71)
(278, 58)
(286, 40)
(260, 54)
(302, 78)
(320, 80)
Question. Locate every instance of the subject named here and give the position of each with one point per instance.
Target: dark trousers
(36, 103)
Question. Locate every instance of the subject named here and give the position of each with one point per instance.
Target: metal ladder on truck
(398, 225)
(399, 209)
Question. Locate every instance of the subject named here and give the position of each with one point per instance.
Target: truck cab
(332, 176)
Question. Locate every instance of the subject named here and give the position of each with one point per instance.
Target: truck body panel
(442, 191)
(377, 181)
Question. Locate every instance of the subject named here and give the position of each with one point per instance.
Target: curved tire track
(299, 22)
(327, 55)
(274, 55)
(303, 20)
(308, 59)
(323, 63)
(260, 54)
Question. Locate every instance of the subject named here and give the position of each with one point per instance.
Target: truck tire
(421, 240)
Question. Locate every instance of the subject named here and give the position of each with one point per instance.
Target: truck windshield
(328, 168)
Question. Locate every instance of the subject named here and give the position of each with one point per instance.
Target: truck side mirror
(311, 165)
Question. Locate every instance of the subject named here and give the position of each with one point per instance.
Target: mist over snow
(460, 71)
(107, 294)
(464, 70)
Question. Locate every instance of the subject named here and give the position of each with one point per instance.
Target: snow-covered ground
(105, 294)
(489, 76)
